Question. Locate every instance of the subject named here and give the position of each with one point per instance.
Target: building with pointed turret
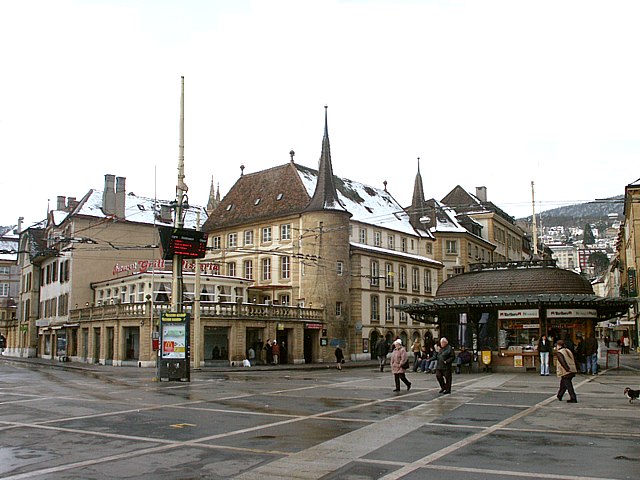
(307, 238)
(458, 237)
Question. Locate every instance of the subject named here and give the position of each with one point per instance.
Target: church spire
(418, 203)
(214, 198)
(325, 196)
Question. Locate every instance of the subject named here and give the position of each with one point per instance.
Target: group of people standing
(444, 360)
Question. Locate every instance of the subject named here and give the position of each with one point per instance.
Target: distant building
(9, 279)
(498, 227)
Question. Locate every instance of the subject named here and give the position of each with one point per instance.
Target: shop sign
(516, 314)
(313, 326)
(143, 266)
(572, 313)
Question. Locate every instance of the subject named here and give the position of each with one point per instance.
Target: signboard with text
(182, 241)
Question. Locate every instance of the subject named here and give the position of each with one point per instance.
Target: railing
(207, 310)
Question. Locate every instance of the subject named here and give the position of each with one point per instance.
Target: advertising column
(174, 347)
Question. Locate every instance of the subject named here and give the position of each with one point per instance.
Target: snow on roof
(446, 220)
(9, 244)
(366, 204)
(410, 256)
(137, 209)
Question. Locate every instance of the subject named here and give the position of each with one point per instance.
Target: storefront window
(131, 343)
(216, 343)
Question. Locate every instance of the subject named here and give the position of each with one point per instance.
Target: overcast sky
(491, 93)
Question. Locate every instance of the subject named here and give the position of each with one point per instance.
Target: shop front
(505, 309)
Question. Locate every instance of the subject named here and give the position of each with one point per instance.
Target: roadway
(61, 421)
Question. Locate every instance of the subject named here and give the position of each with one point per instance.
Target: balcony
(246, 311)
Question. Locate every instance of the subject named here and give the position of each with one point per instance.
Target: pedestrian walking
(381, 352)
(565, 370)
(275, 351)
(590, 352)
(268, 349)
(444, 361)
(399, 365)
(339, 357)
(415, 349)
(544, 349)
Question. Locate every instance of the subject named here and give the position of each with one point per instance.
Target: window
(388, 275)
(363, 235)
(403, 276)
(248, 269)
(66, 270)
(375, 273)
(377, 239)
(54, 272)
(140, 292)
(469, 252)
(458, 270)
(338, 309)
(232, 240)
(231, 269)
(375, 308)
(266, 234)
(427, 281)
(248, 237)
(390, 242)
(452, 246)
(285, 232)
(285, 300)
(340, 268)
(388, 310)
(403, 314)
(285, 267)
(4, 289)
(415, 279)
(123, 294)
(429, 248)
(403, 244)
(216, 243)
(4, 270)
(266, 268)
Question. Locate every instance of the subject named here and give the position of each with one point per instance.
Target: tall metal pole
(181, 190)
(535, 226)
(196, 308)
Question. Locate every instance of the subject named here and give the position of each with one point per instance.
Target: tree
(587, 237)
(599, 261)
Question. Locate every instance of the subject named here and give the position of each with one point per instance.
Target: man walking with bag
(566, 370)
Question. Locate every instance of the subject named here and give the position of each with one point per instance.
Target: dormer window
(229, 207)
(279, 196)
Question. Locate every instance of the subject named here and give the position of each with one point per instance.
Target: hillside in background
(596, 212)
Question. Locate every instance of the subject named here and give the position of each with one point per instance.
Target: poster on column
(174, 336)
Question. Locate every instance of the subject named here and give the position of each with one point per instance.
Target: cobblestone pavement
(60, 421)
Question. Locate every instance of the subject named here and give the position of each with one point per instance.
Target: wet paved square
(309, 424)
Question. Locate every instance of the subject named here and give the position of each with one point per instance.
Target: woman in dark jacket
(339, 358)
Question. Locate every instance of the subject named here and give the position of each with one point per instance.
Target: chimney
(60, 203)
(481, 193)
(71, 203)
(109, 195)
(120, 197)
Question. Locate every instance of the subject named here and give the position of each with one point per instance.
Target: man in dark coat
(443, 366)
(591, 354)
(381, 352)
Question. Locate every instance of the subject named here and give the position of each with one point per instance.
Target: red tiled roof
(270, 193)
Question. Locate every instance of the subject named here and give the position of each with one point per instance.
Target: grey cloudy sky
(493, 93)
